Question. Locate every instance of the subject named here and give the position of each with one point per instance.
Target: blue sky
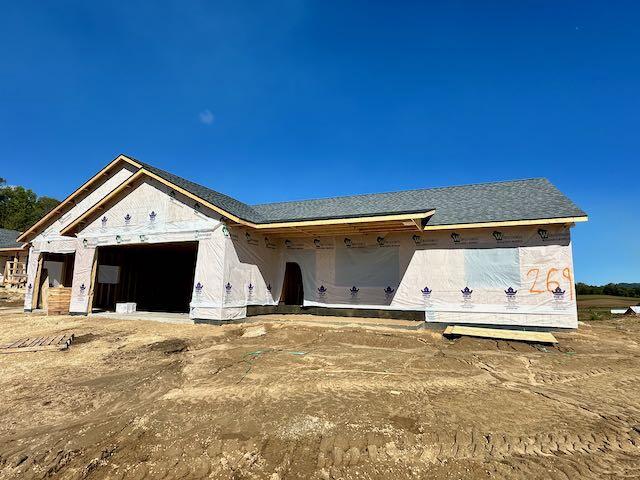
(283, 100)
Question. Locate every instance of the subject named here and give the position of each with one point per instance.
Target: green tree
(20, 207)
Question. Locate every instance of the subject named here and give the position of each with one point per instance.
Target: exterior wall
(514, 276)
(50, 239)
(87, 202)
(151, 214)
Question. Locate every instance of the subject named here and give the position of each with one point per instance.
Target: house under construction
(493, 253)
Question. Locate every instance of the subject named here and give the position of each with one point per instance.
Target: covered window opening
(156, 277)
(292, 289)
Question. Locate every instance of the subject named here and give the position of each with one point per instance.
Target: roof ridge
(499, 182)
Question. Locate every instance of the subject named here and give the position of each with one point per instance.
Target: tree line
(20, 207)
(615, 289)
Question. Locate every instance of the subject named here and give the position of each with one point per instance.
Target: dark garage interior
(157, 277)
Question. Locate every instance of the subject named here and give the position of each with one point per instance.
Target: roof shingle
(530, 199)
(8, 238)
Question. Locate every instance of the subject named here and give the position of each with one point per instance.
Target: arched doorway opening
(292, 290)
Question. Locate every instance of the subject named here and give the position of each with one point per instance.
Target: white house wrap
(481, 254)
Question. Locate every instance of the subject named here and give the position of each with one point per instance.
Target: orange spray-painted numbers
(533, 288)
(552, 284)
(566, 273)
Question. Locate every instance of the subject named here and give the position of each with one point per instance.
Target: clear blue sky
(269, 101)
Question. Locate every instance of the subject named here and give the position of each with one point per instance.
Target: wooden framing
(36, 282)
(92, 286)
(510, 223)
(69, 202)
(500, 334)
(14, 249)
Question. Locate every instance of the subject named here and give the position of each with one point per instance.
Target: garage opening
(292, 291)
(157, 277)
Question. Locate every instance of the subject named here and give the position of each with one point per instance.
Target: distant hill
(615, 289)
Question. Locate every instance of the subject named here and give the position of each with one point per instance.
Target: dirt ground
(316, 397)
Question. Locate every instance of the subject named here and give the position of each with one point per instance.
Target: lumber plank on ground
(500, 334)
(38, 344)
(34, 349)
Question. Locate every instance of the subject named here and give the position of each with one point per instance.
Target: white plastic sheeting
(32, 269)
(82, 269)
(517, 276)
(109, 184)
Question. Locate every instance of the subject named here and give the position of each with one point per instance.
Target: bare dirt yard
(318, 398)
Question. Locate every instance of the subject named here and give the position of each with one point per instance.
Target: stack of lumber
(58, 301)
(38, 344)
(500, 334)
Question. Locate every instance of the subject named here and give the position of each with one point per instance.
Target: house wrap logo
(250, 239)
(466, 297)
(512, 301)
(198, 291)
(417, 239)
(544, 234)
(388, 292)
(268, 243)
(558, 293)
(456, 237)
(127, 219)
(497, 235)
(104, 221)
(225, 231)
(316, 242)
(322, 291)
(348, 242)
(152, 216)
(380, 241)
(294, 244)
(426, 293)
(354, 291)
(227, 293)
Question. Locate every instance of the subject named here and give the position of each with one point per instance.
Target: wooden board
(499, 333)
(38, 344)
(59, 300)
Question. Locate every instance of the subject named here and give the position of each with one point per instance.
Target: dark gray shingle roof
(487, 202)
(529, 199)
(8, 238)
(218, 199)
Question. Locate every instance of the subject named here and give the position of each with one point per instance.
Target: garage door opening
(158, 277)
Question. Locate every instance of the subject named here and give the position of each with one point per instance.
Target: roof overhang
(13, 249)
(69, 202)
(413, 221)
(510, 223)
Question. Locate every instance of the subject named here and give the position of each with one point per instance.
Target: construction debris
(500, 333)
(254, 332)
(39, 344)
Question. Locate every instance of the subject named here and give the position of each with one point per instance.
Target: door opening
(56, 270)
(292, 290)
